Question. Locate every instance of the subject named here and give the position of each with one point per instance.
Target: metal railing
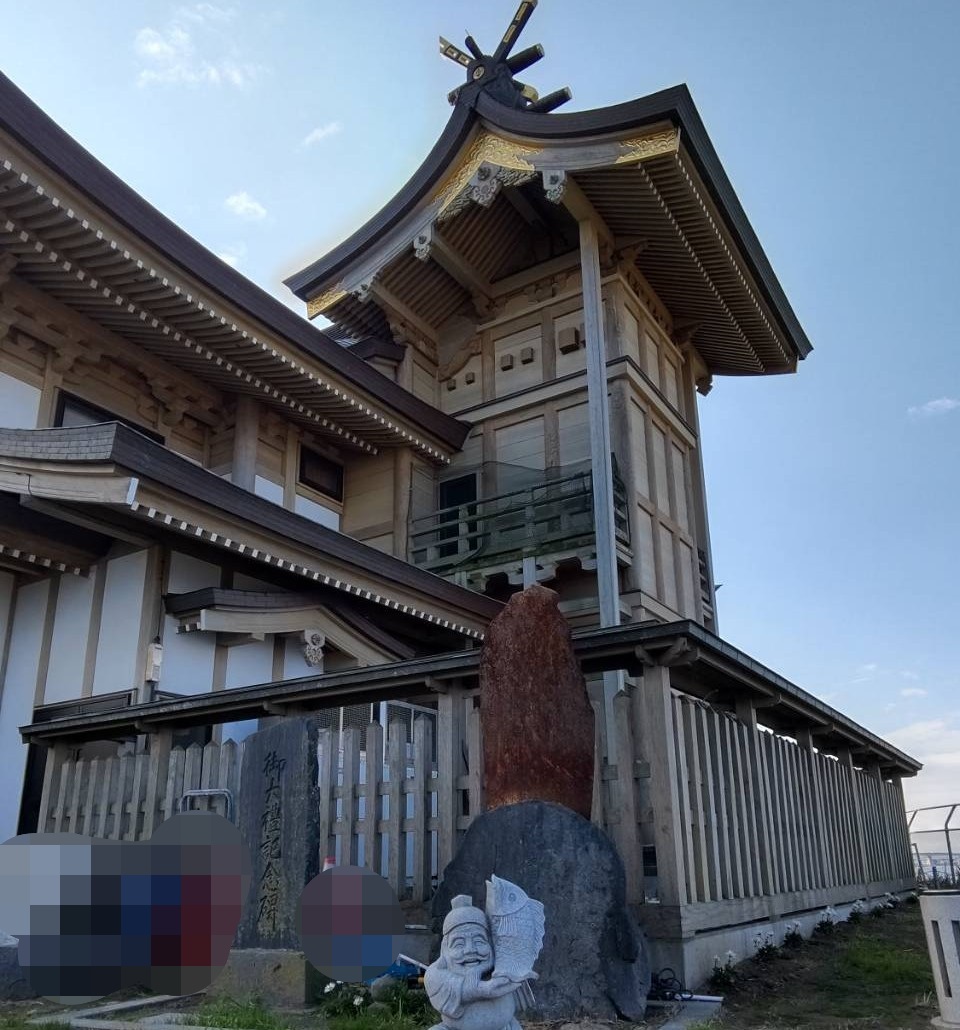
(548, 516)
(936, 852)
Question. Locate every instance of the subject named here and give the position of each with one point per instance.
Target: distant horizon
(270, 135)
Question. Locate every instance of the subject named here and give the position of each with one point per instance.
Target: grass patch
(871, 975)
(235, 1015)
(18, 1021)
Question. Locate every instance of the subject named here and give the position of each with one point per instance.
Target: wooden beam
(431, 244)
(402, 311)
(581, 207)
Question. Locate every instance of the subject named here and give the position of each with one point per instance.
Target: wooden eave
(648, 171)
(81, 235)
(114, 467)
(686, 646)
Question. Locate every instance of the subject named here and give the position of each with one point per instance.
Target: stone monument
(483, 974)
(277, 815)
(537, 719)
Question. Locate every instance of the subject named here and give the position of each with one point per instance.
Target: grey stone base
(281, 978)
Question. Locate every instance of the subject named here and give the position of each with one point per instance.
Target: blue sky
(270, 130)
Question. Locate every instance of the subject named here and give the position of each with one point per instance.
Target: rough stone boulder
(594, 961)
(538, 726)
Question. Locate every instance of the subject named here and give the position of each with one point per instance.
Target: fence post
(656, 747)
(329, 755)
(475, 757)
(422, 749)
(56, 756)
(450, 741)
(160, 742)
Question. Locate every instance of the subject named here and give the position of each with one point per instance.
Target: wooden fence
(720, 821)
(717, 820)
(126, 796)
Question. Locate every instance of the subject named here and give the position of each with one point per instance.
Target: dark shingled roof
(38, 133)
(673, 105)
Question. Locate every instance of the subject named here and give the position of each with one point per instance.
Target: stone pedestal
(594, 959)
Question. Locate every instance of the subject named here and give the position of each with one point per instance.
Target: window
(321, 474)
(71, 411)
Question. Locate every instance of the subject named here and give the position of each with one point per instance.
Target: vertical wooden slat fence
(710, 813)
(754, 816)
(126, 797)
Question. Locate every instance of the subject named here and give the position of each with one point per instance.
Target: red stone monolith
(537, 720)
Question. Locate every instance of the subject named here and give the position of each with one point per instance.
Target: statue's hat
(463, 911)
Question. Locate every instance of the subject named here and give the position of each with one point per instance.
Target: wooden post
(372, 837)
(422, 749)
(327, 782)
(160, 742)
(246, 431)
(450, 766)
(656, 747)
(397, 770)
(348, 797)
(55, 757)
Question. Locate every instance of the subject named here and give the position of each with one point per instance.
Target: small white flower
(731, 958)
(358, 1000)
(330, 987)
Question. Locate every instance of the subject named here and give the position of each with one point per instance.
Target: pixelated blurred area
(350, 923)
(94, 917)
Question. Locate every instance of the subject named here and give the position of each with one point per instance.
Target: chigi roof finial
(494, 73)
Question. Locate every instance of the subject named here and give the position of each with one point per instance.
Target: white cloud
(913, 692)
(171, 55)
(244, 206)
(321, 132)
(233, 255)
(940, 406)
(936, 743)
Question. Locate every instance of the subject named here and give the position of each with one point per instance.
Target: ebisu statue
(482, 977)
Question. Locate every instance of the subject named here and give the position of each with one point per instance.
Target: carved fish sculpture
(516, 926)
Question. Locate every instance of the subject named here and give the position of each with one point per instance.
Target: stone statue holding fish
(482, 977)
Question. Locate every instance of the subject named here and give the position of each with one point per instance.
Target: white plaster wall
(268, 489)
(247, 664)
(250, 663)
(68, 649)
(293, 662)
(187, 660)
(19, 403)
(120, 624)
(316, 512)
(16, 702)
(188, 573)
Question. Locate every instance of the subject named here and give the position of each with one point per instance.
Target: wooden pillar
(608, 590)
(656, 748)
(246, 431)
